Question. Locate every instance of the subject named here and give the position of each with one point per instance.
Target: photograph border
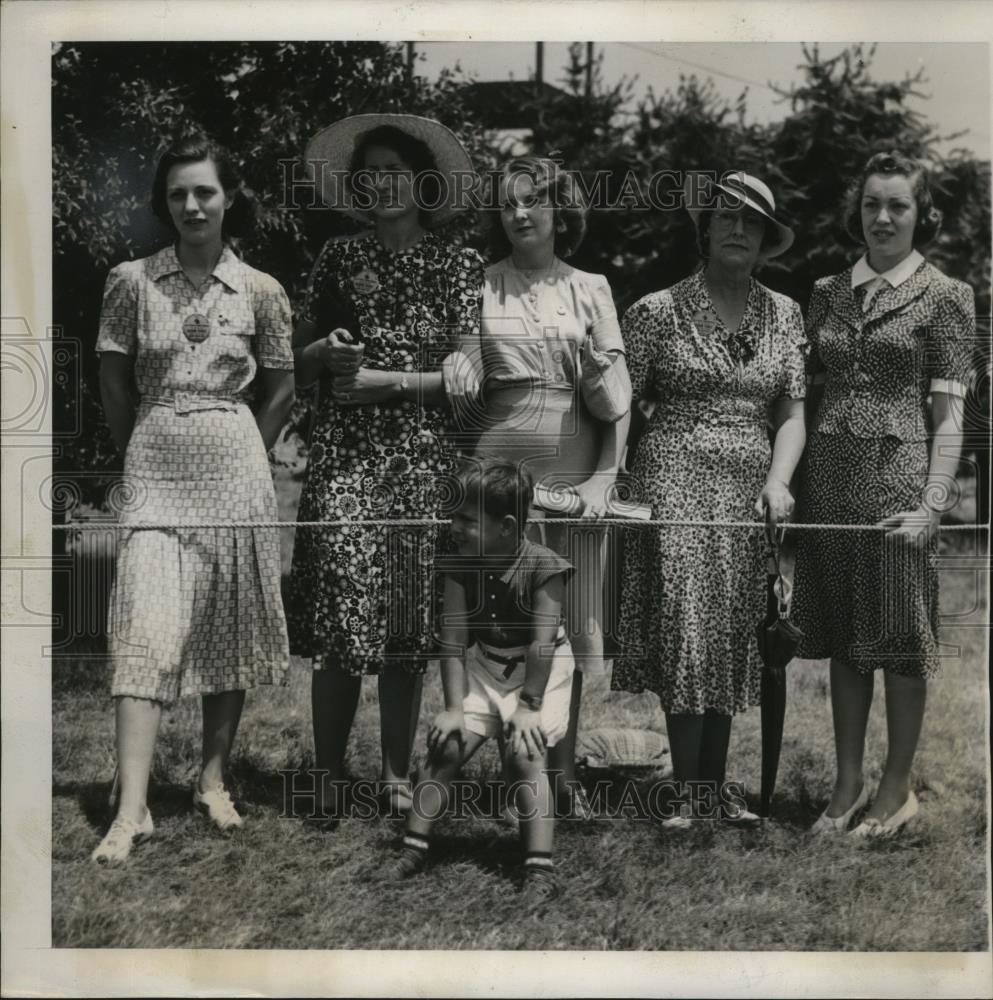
(30, 965)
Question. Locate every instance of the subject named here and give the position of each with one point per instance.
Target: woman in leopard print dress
(718, 354)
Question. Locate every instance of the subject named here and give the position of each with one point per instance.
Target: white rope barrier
(417, 522)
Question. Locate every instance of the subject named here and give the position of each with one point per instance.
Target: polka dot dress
(196, 611)
(691, 597)
(361, 597)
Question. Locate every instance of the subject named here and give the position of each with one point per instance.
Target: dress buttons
(541, 346)
(561, 310)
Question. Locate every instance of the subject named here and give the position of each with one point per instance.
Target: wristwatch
(404, 384)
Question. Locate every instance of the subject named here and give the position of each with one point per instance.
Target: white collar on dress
(862, 273)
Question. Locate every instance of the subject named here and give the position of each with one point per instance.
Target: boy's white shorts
(491, 698)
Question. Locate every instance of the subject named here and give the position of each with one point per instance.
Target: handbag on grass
(778, 638)
(606, 390)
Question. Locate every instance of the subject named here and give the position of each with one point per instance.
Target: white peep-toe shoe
(123, 833)
(875, 829)
(839, 824)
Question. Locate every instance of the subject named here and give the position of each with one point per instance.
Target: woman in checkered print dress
(195, 611)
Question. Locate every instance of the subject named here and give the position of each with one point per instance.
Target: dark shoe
(321, 824)
(741, 819)
(540, 886)
(407, 863)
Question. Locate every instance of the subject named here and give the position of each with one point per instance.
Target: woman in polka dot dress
(890, 340)
(195, 611)
(383, 312)
(719, 354)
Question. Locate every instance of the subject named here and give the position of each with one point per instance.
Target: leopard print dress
(691, 596)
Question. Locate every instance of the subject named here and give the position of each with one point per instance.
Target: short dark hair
(195, 147)
(415, 153)
(886, 165)
(547, 175)
(501, 487)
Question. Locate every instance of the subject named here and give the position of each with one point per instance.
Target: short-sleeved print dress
(362, 597)
(196, 611)
(534, 324)
(691, 597)
(858, 596)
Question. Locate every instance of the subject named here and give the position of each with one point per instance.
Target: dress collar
(862, 273)
(227, 268)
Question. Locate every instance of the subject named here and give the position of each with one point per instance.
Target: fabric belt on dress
(191, 402)
(693, 412)
(509, 663)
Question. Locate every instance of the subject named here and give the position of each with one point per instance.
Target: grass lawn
(626, 885)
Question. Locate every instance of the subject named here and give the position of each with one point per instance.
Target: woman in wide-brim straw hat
(718, 353)
(382, 312)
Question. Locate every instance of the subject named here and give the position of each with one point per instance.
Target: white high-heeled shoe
(876, 829)
(839, 824)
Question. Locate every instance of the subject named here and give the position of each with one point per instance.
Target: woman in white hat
(718, 354)
(382, 312)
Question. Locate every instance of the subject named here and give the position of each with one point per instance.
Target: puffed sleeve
(273, 338)
(119, 312)
(604, 328)
(950, 341)
(816, 373)
(640, 328)
(794, 361)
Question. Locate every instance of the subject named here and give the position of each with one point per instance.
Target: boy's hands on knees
(524, 733)
(448, 723)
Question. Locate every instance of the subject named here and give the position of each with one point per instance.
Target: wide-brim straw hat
(328, 158)
(702, 193)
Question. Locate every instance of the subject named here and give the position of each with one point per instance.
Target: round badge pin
(196, 328)
(366, 281)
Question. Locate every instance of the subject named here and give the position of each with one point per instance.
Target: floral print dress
(691, 596)
(362, 596)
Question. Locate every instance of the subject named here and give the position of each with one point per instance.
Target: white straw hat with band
(702, 193)
(330, 153)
